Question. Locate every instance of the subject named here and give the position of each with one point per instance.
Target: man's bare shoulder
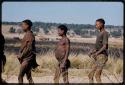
(67, 39)
(29, 35)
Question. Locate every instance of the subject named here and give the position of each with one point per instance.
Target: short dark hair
(63, 27)
(28, 22)
(101, 20)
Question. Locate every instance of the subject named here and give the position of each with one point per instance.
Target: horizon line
(61, 23)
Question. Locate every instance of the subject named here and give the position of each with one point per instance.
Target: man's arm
(102, 49)
(67, 48)
(105, 43)
(22, 47)
(27, 49)
(28, 46)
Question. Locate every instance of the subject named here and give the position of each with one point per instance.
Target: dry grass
(48, 63)
(80, 67)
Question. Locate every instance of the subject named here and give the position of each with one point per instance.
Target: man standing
(2, 56)
(99, 53)
(27, 56)
(61, 54)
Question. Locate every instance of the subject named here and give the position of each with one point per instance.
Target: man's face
(60, 32)
(99, 25)
(24, 26)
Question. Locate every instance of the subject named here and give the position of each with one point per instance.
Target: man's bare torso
(61, 49)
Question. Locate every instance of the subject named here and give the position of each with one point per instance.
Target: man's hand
(94, 55)
(91, 53)
(19, 58)
(62, 66)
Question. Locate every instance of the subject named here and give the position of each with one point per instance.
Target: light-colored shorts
(100, 60)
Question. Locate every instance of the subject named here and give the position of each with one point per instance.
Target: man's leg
(0, 77)
(23, 69)
(101, 60)
(91, 74)
(98, 75)
(29, 77)
(65, 75)
(57, 75)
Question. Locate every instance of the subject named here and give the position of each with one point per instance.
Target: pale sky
(64, 12)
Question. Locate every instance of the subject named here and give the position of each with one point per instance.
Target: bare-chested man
(99, 54)
(27, 56)
(61, 54)
(2, 56)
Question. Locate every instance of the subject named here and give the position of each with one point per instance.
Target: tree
(116, 33)
(12, 30)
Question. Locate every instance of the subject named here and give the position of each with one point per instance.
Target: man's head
(62, 30)
(100, 23)
(26, 25)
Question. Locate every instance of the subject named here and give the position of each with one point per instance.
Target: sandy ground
(72, 79)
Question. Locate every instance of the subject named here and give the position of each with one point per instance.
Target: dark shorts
(67, 64)
(31, 61)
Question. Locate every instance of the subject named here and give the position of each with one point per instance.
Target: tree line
(79, 29)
